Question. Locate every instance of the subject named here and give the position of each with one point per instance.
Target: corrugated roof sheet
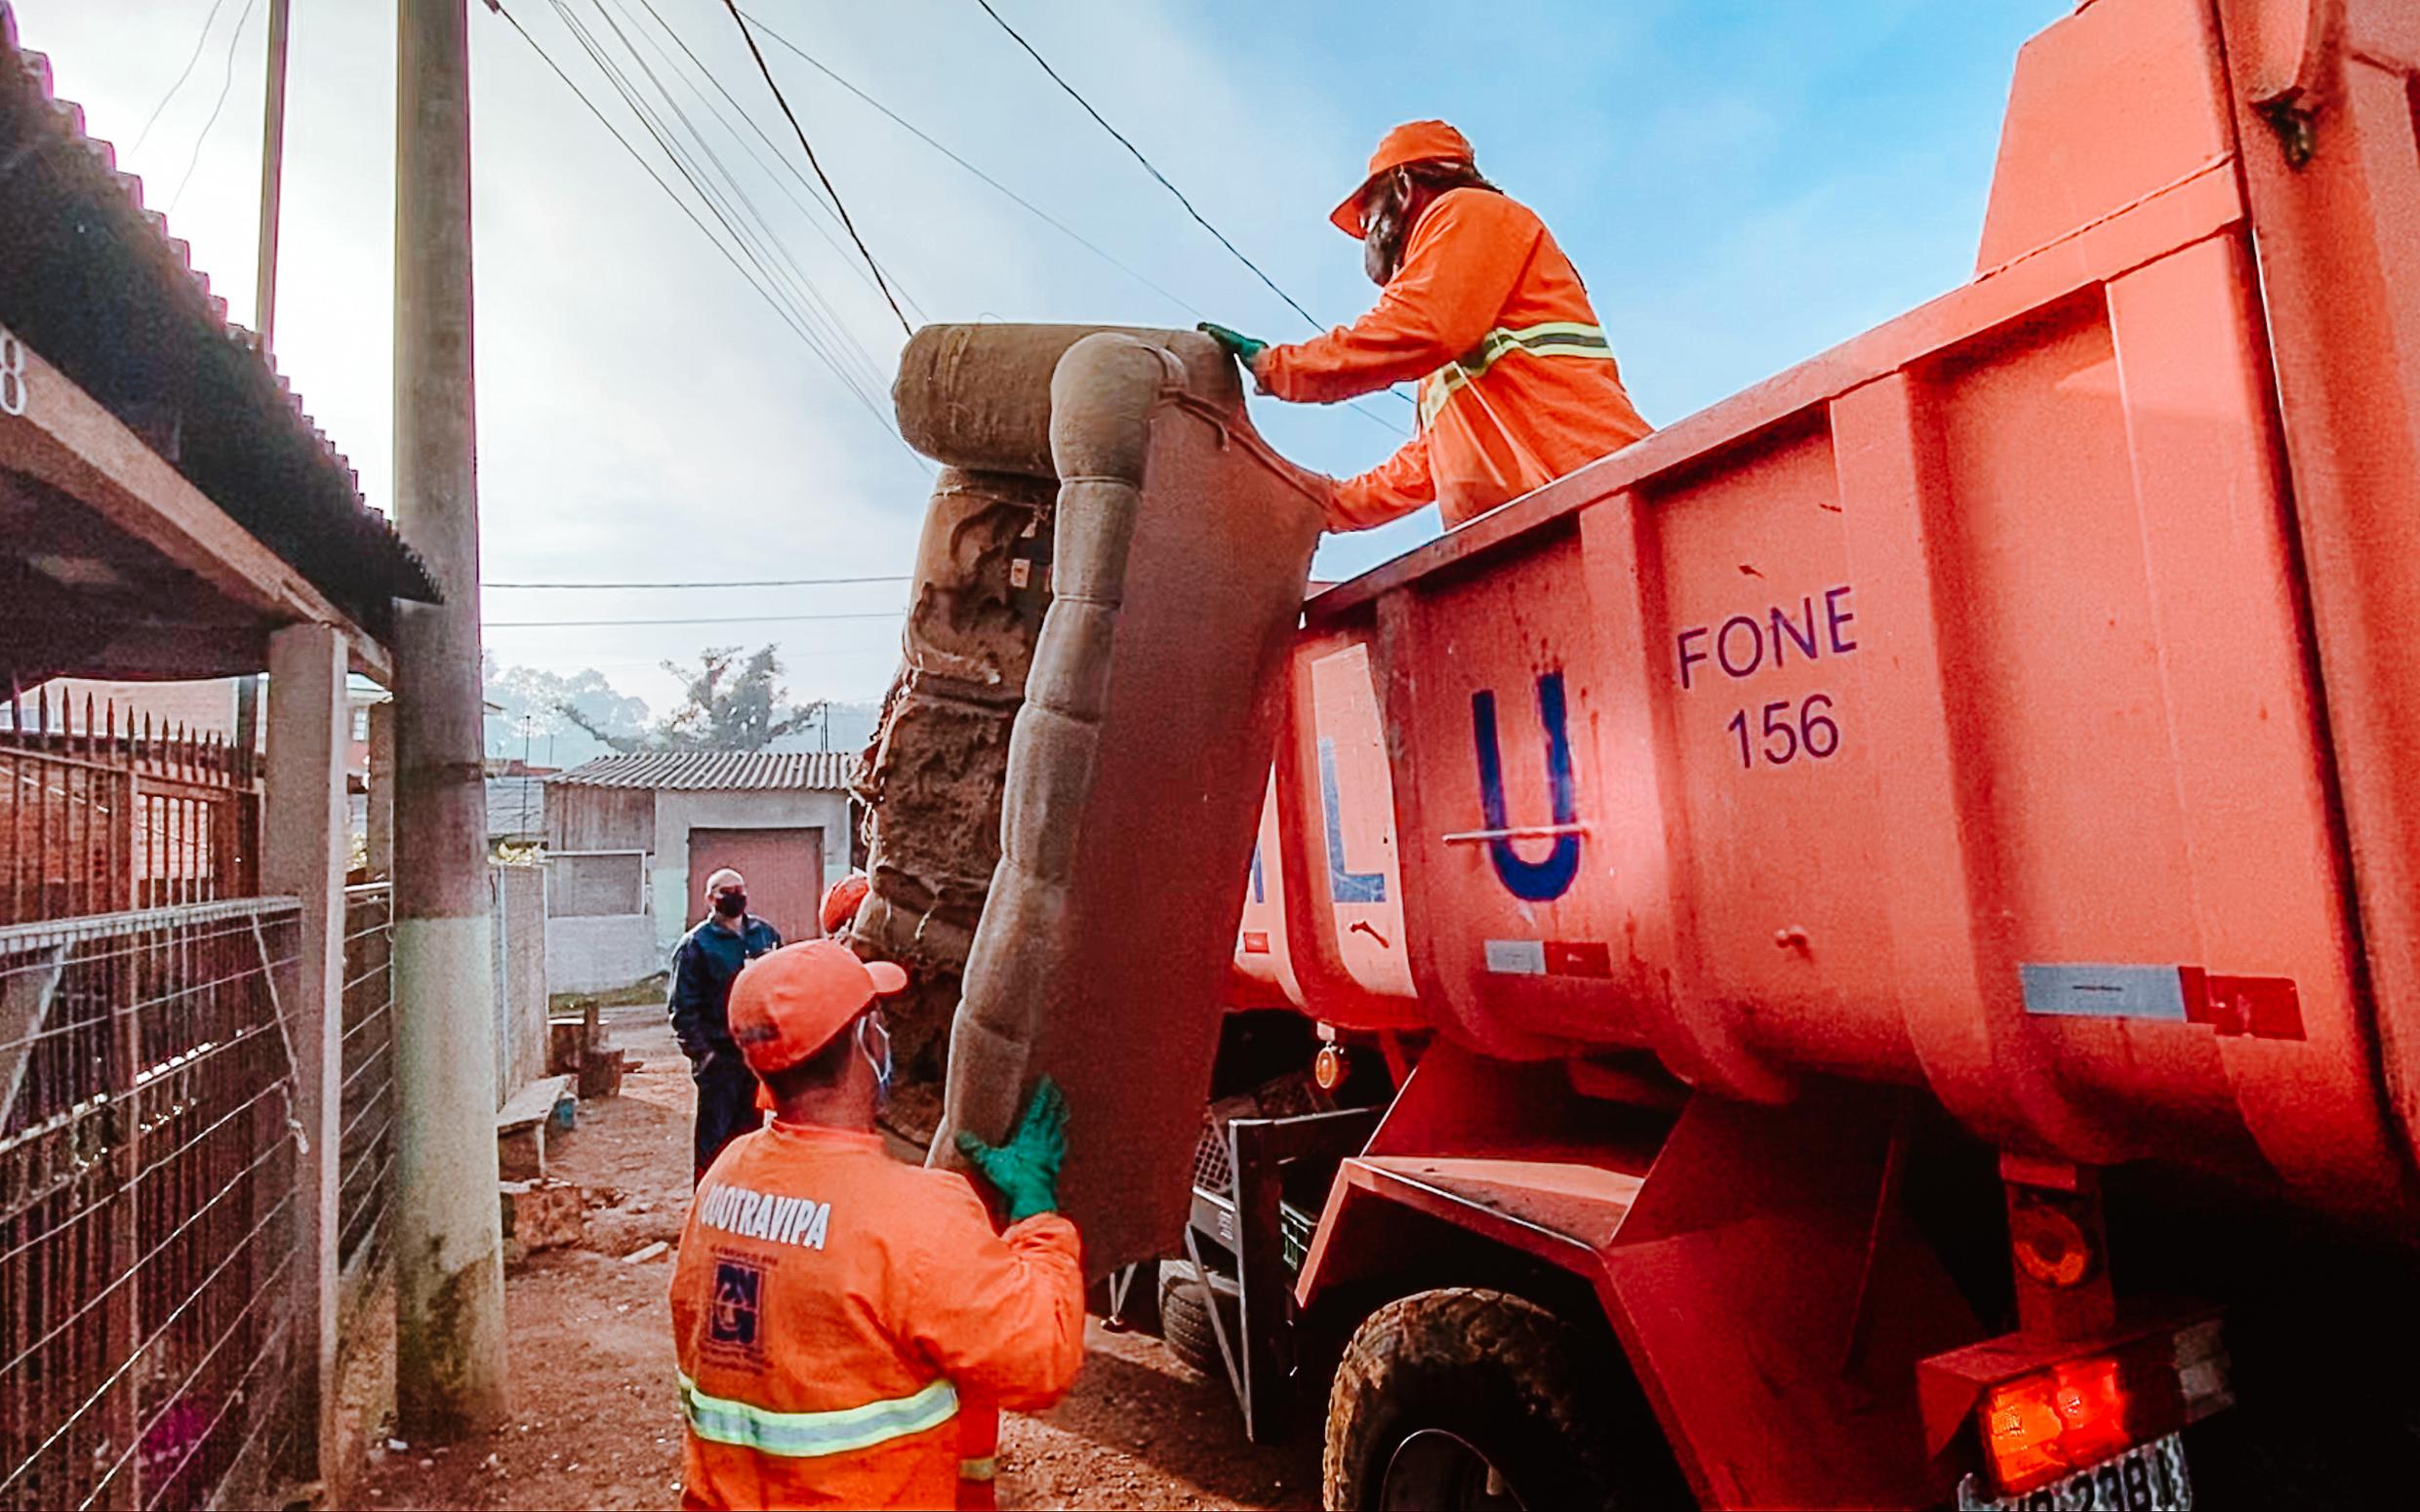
(92, 280)
(714, 771)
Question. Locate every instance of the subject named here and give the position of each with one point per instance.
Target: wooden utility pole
(449, 1249)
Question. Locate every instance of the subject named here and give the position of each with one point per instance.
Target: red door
(783, 869)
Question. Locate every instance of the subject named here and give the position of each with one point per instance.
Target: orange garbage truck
(1864, 951)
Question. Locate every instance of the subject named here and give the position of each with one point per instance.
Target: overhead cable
(732, 207)
(699, 163)
(779, 98)
(821, 207)
(759, 283)
(738, 582)
(909, 127)
(201, 41)
(226, 84)
(1148, 165)
(541, 624)
(1037, 210)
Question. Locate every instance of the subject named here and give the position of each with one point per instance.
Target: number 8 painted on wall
(12, 374)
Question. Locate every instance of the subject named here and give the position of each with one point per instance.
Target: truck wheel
(1472, 1399)
(1184, 1320)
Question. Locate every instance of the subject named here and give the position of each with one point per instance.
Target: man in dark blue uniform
(703, 963)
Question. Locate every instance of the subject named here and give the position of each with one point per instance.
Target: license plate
(2147, 1478)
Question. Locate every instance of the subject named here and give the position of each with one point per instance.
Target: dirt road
(595, 1422)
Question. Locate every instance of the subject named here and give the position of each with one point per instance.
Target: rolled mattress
(1139, 757)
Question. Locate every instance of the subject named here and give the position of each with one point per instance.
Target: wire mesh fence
(148, 1197)
(366, 1150)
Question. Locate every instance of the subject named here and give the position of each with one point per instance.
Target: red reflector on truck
(2266, 1007)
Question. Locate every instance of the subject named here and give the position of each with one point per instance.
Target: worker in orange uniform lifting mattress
(832, 1304)
(1517, 383)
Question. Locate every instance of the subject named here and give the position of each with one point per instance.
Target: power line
(1037, 210)
(734, 210)
(1148, 165)
(737, 209)
(787, 166)
(541, 624)
(745, 583)
(760, 280)
(226, 84)
(766, 70)
(199, 43)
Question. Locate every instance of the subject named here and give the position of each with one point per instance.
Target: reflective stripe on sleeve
(803, 1435)
(1548, 338)
(983, 1469)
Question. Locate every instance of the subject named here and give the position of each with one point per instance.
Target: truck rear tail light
(2042, 1426)
(2078, 1413)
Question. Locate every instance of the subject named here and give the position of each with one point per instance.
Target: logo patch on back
(735, 1322)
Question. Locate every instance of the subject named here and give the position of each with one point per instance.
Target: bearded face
(1385, 225)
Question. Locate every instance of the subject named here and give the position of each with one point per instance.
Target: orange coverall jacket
(829, 1306)
(1517, 383)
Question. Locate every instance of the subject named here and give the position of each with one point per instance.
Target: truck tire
(1184, 1320)
(1478, 1399)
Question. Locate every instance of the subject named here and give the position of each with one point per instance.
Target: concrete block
(541, 1215)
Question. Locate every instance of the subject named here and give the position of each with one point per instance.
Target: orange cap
(789, 1004)
(1413, 141)
(842, 899)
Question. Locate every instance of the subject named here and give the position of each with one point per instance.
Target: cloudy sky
(1744, 182)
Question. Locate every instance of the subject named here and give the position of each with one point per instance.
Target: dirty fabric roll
(930, 779)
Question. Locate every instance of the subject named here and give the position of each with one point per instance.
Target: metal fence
(94, 818)
(366, 1153)
(148, 1204)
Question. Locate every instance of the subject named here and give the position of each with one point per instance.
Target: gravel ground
(595, 1422)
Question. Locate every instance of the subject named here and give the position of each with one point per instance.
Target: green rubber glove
(1025, 1170)
(1243, 347)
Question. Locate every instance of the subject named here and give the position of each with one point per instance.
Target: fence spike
(42, 708)
(88, 723)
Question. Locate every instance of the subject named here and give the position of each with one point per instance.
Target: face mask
(877, 1054)
(1382, 236)
(731, 904)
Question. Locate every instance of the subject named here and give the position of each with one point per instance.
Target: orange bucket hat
(1414, 142)
(789, 1004)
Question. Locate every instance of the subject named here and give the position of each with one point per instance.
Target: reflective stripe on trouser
(800, 1435)
(1550, 338)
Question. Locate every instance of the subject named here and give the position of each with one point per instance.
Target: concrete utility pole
(272, 179)
(449, 1250)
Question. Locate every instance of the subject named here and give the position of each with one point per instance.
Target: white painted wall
(602, 953)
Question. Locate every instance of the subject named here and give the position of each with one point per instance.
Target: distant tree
(527, 699)
(727, 704)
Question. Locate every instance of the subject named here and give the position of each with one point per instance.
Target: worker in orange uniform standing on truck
(831, 1304)
(1480, 307)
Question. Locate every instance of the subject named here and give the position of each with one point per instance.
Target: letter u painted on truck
(1541, 881)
